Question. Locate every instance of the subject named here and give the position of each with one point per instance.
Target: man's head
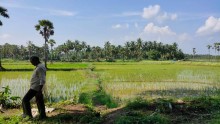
(34, 60)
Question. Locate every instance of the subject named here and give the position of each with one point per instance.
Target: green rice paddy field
(122, 80)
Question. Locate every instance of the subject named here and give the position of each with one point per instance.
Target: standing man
(38, 80)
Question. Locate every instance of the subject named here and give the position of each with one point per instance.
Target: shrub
(85, 98)
(138, 103)
(100, 97)
(8, 101)
(205, 104)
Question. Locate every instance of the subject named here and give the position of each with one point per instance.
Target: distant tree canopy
(79, 51)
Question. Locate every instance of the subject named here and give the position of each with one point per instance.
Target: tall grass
(60, 85)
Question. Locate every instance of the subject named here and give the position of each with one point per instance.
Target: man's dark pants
(39, 100)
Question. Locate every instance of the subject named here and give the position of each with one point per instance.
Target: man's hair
(34, 59)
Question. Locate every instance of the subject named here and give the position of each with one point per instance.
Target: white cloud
(154, 12)
(61, 13)
(212, 25)
(151, 11)
(55, 12)
(173, 16)
(5, 36)
(161, 18)
(151, 28)
(117, 26)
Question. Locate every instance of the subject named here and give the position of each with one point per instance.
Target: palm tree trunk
(218, 56)
(215, 54)
(0, 64)
(209, 54)
(51, 61)
(45, 53)
(1, 68)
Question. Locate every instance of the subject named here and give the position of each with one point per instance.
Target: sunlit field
(117, 84)
(122, 80)
(127, 81)
(61, 85)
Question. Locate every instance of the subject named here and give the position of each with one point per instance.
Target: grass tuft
(138, 103)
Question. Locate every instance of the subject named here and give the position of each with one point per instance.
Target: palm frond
(3, 12)
(46, 23)
(37, 27)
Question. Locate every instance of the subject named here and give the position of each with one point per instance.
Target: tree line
(77, 51)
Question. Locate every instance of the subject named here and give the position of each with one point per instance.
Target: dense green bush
(85, 98)
(153, 55)
(100, 97)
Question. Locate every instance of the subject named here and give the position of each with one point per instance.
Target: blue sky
(190, 23)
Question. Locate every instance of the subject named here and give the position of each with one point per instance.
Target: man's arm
(42, 77)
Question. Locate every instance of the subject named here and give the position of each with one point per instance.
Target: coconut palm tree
(77, 47)
(46, 30)
(108, 51)
(194, 52)
(84, 46)
(51, 42)
(127, 50)
(139, 49)
(30, 45)
(209, 47)
(3, 12)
